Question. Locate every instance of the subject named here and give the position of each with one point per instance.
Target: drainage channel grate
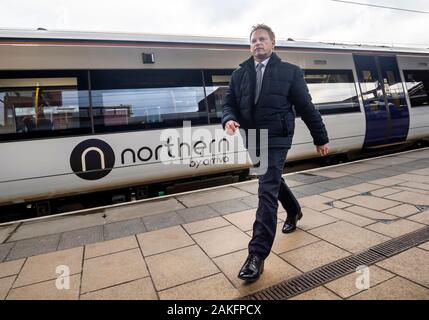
(402, 243)
(340, 268)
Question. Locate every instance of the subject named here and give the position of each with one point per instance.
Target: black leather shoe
(290, 223)
(252, 268)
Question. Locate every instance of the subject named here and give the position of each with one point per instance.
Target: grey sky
(319, 20)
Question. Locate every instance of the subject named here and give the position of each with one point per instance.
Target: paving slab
(330, 173)
(344, 215)
(286, 242)
(210, 196)
(251, 201)
(141, 289)
(319, 293)
(205, 225)
(229, 206)
(292, 183)
(411, 198)
(351, 284)
(369, 213)
(416, 185)
(413, 190)
(197, 213)
(310, 189)
(387, 181)
(161, 221)
(371, 202)
(364, 187)
(45, 267)
(424, 172)
(95, 270)
(76, 238)
(275, 271)
(111, 246)
(56, 225)
(411, 264)
(250, 187)
(413, 177)
(345, 181)
(155, 242)
(5, 286)
(47, 291)
(396, 228)
(312, 219)
(215, 287)
(384, 192)
(357, 167)
(424, 246)
(11, 268)
(314, 255)
(402, 210)
(367, 176)
(5, 232)
(423, 154)
(190, 264)
(5, 249)
(340, 194)
(422, 217)
(396, 288)
(143, 209)
(124, 228)
(305, 177)
(222, 241)
(389, 161)
(349, 237)
(315, 199)
(340, 204)
(33, 247)
(243, 220)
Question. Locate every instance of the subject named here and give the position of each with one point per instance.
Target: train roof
(14, 36)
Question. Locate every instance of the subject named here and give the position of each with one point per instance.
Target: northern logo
(92, 159)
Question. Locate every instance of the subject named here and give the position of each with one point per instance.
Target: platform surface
(192, 245)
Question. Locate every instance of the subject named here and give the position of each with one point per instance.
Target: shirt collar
(265, 62)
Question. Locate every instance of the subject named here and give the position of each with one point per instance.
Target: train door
(386, 111)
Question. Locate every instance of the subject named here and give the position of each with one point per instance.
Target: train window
(40, 104)
(417, 82)
(146, 99)
(332, 91)
(216, 84)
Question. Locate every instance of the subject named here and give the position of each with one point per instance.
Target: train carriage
(83, 112)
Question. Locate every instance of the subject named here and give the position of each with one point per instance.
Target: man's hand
(322, 150)
(231, 126)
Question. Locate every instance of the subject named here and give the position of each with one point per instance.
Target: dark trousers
(272, 188)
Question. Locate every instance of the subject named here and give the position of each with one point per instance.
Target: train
(82, 113)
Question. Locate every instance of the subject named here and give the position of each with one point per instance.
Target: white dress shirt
(265, 62)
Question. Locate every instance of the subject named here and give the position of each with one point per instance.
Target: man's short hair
(263, 27)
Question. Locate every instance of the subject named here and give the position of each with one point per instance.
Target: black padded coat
(283, 86)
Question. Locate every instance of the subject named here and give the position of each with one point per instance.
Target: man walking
(261, 94)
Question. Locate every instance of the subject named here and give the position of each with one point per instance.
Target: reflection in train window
(417, 82)
(332, 91)
(145, 99)
(216, 84)
(41, 106)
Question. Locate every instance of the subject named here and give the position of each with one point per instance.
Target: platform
(192, 245)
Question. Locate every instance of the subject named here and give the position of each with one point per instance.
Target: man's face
(261, 45)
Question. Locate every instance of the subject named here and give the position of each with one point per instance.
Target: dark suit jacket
(283, 86)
